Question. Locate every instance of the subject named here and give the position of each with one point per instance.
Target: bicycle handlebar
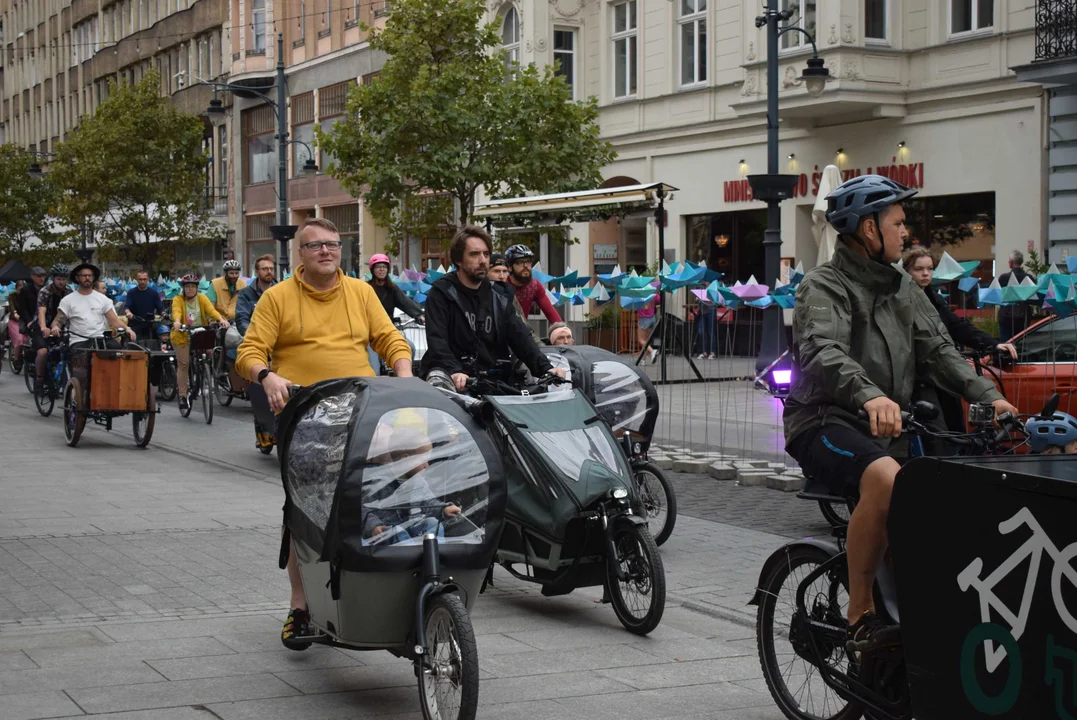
(985, 439)
(486, 384)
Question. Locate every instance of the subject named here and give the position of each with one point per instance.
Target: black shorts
(834, 458)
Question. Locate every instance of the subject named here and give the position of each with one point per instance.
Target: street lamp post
(282, 231)
(774, 187)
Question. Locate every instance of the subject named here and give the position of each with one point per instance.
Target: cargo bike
(626, 400)
(108, 380)
(575, 516)
(394, 503)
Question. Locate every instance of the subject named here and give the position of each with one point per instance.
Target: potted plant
(602, 327)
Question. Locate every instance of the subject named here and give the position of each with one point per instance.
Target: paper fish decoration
(797, 275)
(1015, 292)
(992, 294)
(949, 270)
(441, 272)
(761, 303)
(683, 278)
(786, 302)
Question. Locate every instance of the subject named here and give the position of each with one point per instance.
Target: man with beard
(265, 269)
(472, 325)
(226, 290)
(528, 290)
(87, 313)
(48, 300)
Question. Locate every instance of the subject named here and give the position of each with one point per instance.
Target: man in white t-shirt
(87, 313)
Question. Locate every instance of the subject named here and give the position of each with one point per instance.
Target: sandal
(297, 625)
(871, 633)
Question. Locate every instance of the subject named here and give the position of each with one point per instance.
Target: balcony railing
(1056, 29)
(216, 200)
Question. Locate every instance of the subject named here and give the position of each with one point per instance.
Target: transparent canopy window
(424, 473)
(316, 456)
(619, 396)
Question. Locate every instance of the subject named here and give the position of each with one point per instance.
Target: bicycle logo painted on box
(1001, 626)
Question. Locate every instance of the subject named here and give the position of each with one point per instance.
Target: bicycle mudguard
(827, 545)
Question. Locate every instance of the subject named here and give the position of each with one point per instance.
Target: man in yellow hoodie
(316, 325)
(226, 290)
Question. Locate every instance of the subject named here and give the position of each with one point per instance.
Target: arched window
(510, 39)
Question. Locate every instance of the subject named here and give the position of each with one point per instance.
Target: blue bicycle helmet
(1059, 429)
(862, 197)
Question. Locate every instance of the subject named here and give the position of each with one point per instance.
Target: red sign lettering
(736, 191)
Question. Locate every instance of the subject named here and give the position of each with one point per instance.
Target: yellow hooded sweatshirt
(317, 335)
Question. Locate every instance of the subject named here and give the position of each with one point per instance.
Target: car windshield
(570, 449)
(1051, 342)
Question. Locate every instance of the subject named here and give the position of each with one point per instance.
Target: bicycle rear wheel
(46, 399)
(167, 388)
(29, 370)
(207, 393)
(783, 636)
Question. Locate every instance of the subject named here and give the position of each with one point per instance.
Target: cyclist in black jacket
(472, 325)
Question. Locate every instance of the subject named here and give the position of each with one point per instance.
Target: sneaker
(184, 404)
(701, 356)
(652, 357)
(297, 625)
(871, 633)
(712, 356)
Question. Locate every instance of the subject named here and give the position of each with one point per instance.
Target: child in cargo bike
(399, 505)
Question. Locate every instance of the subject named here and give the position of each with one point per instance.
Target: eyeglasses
(317, 245)
(83, 276)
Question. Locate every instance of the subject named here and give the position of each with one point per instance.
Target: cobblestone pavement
(142, 584)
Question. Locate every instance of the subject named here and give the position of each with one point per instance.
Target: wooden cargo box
(119, 380)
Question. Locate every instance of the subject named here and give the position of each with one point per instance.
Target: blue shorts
(648, 322)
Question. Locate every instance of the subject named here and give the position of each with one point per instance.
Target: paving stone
(751, 464)
(663, 463)
(32, 706)
(722, 471)
(181, 692)
(692, 466)
(81, 676)
(785, 483)
(251, 663)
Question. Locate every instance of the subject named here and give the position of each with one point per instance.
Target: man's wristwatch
(262, 375)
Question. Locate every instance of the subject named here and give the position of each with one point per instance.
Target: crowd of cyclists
(867, 338)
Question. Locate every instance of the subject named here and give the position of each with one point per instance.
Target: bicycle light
(620, 493)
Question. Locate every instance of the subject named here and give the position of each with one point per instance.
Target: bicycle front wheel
(449, 685)
(74, 412)
(45, 400)
(639, 600)
(207, 395)
(658, 499)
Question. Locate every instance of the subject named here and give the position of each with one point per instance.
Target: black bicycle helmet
(519, 252)
(862, 197)
(59, 269)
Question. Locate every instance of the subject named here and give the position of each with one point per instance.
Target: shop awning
(573, 206)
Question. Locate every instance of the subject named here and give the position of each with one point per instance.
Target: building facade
(920, 90)
(325, 54)
(59, 56)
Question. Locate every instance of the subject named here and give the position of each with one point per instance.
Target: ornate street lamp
(774, 187)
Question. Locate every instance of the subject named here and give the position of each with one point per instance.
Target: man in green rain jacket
(861, 332)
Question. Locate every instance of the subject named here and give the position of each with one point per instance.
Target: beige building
(921, 90)
(59, 56)
(325, 54)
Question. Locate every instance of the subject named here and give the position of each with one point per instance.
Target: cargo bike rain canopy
(370, 465)
(621, 392)
(564, 456)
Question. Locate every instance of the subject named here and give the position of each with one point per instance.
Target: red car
(1046, 359)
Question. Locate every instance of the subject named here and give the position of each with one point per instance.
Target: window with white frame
(258, 24)
(510, 39)
(693, 40)
(624, 39)
(803, 17)
(971, 15)
(875, 20)
(564, 54)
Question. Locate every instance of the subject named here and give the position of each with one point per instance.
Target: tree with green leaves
(135, 172)
(27, 230)
(443, 118)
